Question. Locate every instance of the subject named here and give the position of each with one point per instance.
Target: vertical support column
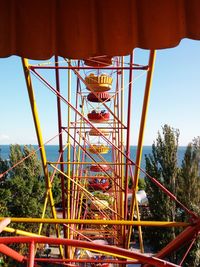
(59, 113)
(141, 134)
(117, 205)
(139, 228)
(30, 262)
(40, 142)
(122, 141)
(128, 138)
(35, 115)
(68, 157)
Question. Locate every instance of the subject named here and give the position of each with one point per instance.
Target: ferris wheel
(100, 214)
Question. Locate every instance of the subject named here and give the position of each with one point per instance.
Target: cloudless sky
(174, 100)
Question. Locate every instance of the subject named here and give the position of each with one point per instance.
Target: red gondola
(94, 132)
(101, 61)
(104, 96)
(96, 168)
(99, 184)
(99, 117)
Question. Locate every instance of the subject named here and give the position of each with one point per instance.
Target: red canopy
(80, 29)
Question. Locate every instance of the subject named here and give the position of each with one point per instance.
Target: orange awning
(83, 28)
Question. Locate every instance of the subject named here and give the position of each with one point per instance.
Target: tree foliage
(189, 192)
(141, 183)
(162, 165)
(189, 178)
(23, 187)
(22, 190)
(183, 182)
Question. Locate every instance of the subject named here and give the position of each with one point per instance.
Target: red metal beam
(31, 254)
(128, 143)
(186, 236)
(60, 146)
(88, 68)
(11, 253)
(86, 261)
(91, 246)
(187, 251)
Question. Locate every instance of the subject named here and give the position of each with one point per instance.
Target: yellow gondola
(98, 83)
(99, 149)
(99, 204)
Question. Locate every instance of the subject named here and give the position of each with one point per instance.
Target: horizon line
(58, 145)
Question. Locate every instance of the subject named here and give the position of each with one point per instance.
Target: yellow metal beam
(19, 232)
(141, 134)
(4, 223)
(44, 209)
(139, 228)
(98, 222)
(35, 114)
(144, 114)
(75, 196)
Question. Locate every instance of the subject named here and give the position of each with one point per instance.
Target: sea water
(52, 154)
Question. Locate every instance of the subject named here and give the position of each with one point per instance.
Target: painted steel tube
(186, 236)
(31, 254)
(113, 251)
(4, 223)
(11, 252)
(110, 222)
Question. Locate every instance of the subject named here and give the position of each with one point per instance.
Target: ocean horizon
(52, 153)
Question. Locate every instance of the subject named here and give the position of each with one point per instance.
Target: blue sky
(174, 98)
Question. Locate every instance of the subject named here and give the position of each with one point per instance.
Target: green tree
(22, 191)
(141, 183)
(26, 185)
(5, 193)
(162, 165)
(189, 192)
